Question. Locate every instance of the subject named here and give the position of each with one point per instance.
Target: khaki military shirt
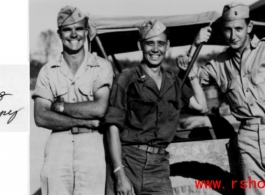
(55, 79)
(241, 78)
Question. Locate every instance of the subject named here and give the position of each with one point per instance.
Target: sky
(43, 13)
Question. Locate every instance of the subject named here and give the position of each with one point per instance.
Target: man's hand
(183, 62)
(195, 122)
(123, 184)
(203, 36)
(93, 124)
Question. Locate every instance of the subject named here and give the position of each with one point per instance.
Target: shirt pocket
(233, 94)
(258, 81)
(173, 109)
(86, 92)
(140, 109)
(60, 92)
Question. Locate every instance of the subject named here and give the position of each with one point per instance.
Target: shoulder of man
(220, 58)
(101, 61)
(176, 76)
(52, 63)
(263, 39)
(172, 75)
(125, 78)
(48, 66)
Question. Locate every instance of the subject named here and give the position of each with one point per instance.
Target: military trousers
(148, 172)
(74, 164)
(251, 145)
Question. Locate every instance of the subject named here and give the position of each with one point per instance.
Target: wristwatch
(61, 107)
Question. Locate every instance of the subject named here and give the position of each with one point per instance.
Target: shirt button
(160, 114)
(251, 104)
(74, 99)
(247, 90)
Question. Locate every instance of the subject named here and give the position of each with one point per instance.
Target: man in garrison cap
(71, 96)
(142, 118)
(240, 73)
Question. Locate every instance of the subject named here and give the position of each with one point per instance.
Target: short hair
(247, 20)
(167, 33)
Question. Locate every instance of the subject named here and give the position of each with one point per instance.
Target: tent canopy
(120, 34)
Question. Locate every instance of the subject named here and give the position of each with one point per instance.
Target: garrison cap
(235, 11)
(151, 28)
(69, 15)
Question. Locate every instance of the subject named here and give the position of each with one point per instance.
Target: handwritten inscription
(3, 94)
(10, 113)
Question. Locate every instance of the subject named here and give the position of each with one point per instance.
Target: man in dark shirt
(142, 117)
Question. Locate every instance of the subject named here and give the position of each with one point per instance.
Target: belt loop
(262, 120)
(75, 130)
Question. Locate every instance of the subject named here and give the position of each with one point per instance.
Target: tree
(48, 44)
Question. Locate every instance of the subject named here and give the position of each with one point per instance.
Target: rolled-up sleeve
(104, 77)
(43, 87)
(208, 73)
(116, 113)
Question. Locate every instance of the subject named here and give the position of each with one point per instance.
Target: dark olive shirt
(143, 113)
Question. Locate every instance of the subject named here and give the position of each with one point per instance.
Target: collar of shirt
(167, 80)
(254, 42)
(89, 60)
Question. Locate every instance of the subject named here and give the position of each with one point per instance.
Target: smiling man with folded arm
(143, 116)
(71, 96)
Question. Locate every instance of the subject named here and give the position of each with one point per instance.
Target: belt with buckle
(254, 121)
(150, 149)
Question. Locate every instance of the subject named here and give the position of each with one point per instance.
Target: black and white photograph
(131, 97)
